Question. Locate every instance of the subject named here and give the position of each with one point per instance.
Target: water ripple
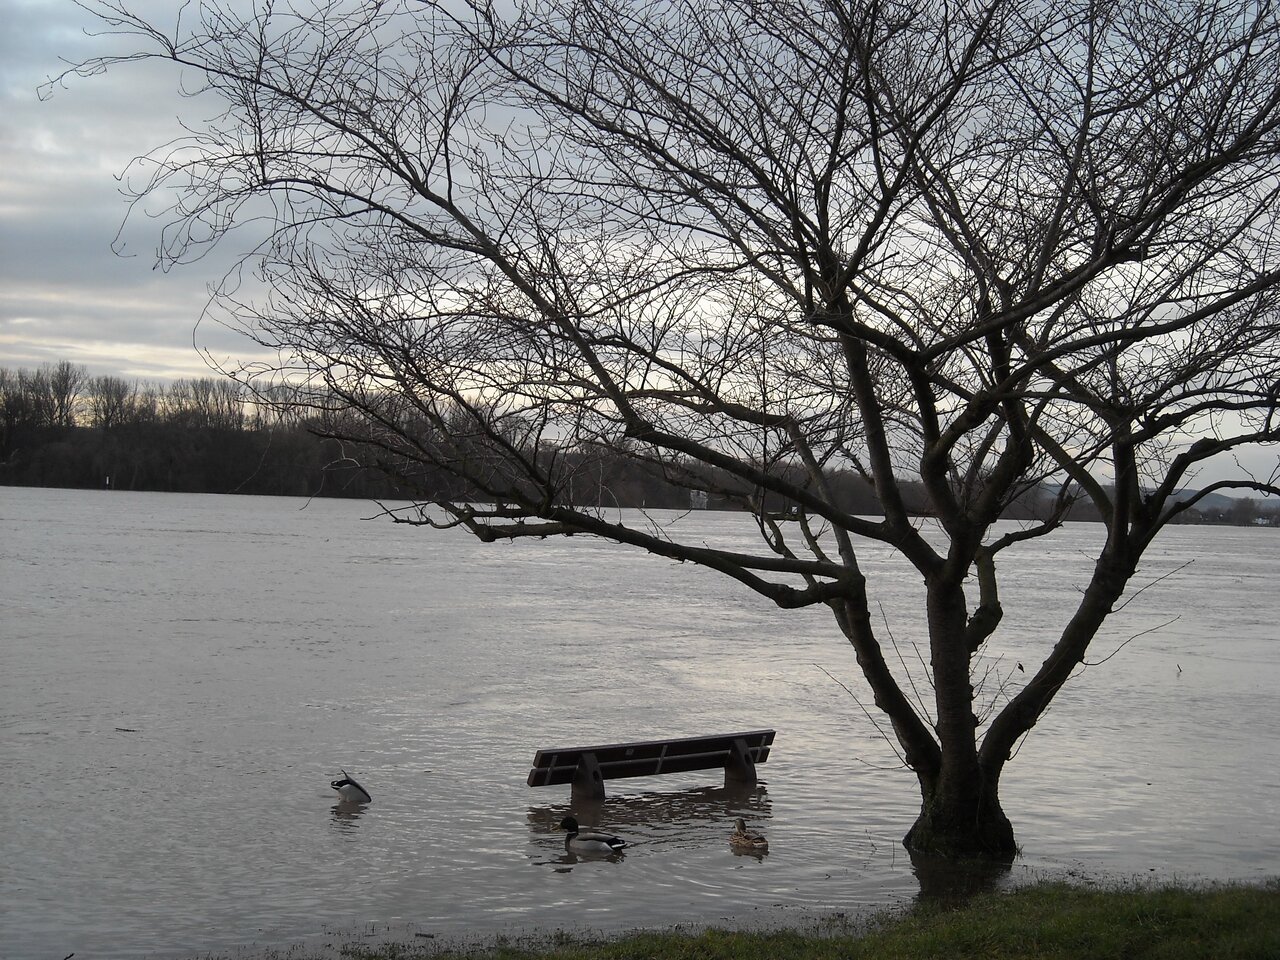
(172, 714)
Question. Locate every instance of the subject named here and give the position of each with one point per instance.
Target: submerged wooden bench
(587, 768)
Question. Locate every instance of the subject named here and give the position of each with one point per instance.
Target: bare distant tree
(9, 409)
(982, 246)
(206, 403)
(112, 400)
(67, 381)
(28, 399)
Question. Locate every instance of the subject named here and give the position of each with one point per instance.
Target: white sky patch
(65, 294)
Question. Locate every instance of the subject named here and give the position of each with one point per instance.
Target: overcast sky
(64, 293)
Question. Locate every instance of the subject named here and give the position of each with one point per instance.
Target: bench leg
(740, 769)
(588, 783)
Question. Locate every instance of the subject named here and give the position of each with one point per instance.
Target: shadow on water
(949, 882)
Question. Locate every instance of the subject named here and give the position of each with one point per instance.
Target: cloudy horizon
(78, 283)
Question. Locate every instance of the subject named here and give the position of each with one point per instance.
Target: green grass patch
(1044, 922)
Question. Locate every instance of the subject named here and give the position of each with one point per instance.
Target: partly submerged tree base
(944, 831)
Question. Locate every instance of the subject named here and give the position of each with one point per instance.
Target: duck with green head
(580, 842)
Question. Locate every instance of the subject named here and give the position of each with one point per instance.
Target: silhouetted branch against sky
(974, 245)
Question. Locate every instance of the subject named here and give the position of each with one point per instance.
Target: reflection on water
(674, 809)
(174, 641)
(954, 881)
(564, 862)
(346, 814)
(657, 818)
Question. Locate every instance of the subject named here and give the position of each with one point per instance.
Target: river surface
(181, 676)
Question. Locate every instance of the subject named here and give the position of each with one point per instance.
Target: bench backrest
(647, 758)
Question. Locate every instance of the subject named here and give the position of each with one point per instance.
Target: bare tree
(10, 409)
(28, 399)
(112, 401)
(206, 403)
(66, 381)
(984, 246)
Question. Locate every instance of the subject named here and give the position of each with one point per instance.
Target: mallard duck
(349, 790)
(741, 839)
(589, 842)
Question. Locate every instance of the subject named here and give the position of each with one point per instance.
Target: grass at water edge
(1049, 921)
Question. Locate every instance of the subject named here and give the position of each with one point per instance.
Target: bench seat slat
(648, 757)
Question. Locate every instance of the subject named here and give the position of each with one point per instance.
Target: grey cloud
(64, 292)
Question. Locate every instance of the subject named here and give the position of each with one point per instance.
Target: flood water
(182, 676)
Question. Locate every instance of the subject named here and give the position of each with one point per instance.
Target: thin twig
(905, 669)
(892, 745)
(1143, 633)
(1138, 592)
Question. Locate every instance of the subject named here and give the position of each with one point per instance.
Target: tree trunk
(961, 817)
(960, 814)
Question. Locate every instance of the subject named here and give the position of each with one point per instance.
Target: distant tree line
(1240, 512)
(62, 427)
